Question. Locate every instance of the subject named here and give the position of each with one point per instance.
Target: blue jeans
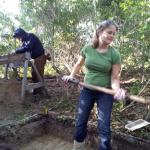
(104, 106)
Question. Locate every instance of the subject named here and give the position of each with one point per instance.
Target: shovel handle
(97, 88)
(110, 91)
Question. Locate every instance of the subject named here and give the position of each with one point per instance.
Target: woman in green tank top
(102, 63)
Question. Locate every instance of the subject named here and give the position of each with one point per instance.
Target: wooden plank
(12, 58)
(31, 86)
(40, 78)
(24, 81)
(17, 57)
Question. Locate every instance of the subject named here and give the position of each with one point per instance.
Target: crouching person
(32, 44)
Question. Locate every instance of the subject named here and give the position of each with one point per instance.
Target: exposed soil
(10, 103)
(12, 107)
(48, 143)
(63, 99)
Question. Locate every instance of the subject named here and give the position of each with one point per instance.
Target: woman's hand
(67, 78)
(120, 94)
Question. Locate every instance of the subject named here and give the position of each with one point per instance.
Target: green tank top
(99, 65)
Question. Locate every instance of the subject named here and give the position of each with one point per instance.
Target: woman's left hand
(120, 94)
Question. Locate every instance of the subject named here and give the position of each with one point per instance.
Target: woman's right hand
(120, 94)
(67, 78)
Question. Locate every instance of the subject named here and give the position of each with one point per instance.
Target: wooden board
(12, 58)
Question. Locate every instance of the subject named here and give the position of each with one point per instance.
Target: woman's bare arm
(115, 78)
(77, 66)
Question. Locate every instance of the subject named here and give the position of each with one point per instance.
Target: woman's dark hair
(102, 26)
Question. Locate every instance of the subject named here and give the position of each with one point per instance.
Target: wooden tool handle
(110, 91)
(98, 88)
(138, 99)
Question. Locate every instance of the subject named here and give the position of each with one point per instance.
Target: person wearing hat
(32, 44)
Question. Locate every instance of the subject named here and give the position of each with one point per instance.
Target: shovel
(108, 91)
(130, 126)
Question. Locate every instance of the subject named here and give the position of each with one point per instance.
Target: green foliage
(118, 106)
(1, 71)
(7, 44)
(135, 88)
(49, 70)
(61, 24)
(135, 31)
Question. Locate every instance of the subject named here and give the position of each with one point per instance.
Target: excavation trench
(25, 129)
(54, 132)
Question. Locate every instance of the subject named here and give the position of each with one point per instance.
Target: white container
(136, 124)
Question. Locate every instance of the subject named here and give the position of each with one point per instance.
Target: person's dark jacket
(30, 43)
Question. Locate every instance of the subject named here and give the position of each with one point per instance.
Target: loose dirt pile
(12, 107)
(10, 97)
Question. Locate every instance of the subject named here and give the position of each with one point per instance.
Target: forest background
(64, 26)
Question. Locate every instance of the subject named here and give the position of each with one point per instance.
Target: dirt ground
(10, 102)
(47, 143)
(13, 108)
(63, 99)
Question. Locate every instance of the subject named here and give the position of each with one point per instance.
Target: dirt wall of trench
(10, 97)
(61, 126)
(55, 124)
